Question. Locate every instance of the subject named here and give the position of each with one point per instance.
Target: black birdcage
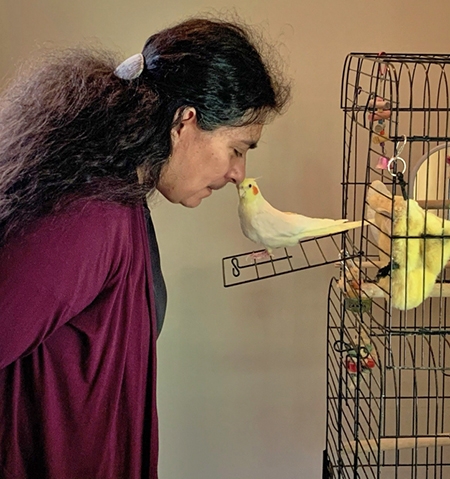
(388, 360)
(388, 414)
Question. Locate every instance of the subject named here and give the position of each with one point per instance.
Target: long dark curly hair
(70, 127)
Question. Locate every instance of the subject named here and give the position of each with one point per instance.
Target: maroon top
(78, 348)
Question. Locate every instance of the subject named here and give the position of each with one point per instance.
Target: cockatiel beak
(242, 189)
(247, 188)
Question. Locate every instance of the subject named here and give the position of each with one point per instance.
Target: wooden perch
(434, 204)
(372, 290)
(394, 443)
(378, 264)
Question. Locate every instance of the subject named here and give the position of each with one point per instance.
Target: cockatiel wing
(287, 224)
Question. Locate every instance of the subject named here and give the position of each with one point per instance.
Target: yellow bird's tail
(337, 227)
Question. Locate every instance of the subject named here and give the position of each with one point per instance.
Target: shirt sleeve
(54, 271)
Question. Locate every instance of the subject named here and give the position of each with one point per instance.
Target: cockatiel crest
(264, 224)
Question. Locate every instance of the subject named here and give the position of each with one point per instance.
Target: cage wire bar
(388, 344)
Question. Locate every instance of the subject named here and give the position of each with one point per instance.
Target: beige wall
(242, 370)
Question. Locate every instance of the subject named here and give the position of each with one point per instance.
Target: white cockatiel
(264, 224)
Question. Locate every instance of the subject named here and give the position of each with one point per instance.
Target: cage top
(403, 57)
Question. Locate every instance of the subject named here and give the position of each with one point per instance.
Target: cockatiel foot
(386, 270)
(258, 255)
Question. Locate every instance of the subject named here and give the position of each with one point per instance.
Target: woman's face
(204, 161)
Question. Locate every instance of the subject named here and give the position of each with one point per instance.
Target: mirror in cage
(430, 180)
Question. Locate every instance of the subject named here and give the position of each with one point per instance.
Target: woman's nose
(236, 174)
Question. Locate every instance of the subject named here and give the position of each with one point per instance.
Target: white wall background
(242, 370)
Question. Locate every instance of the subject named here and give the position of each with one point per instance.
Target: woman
(81, 293)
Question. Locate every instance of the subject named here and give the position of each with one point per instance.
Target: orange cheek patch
(255, 190)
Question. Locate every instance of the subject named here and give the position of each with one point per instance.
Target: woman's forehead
(248, 134)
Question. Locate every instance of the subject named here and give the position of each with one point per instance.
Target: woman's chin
(194, 200)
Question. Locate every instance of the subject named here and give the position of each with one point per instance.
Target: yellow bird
(264, 224)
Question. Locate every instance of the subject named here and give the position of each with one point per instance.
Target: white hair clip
(130, 68)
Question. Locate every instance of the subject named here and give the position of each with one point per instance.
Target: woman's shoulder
(94, 207)
(95, 212)
(82, 221)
